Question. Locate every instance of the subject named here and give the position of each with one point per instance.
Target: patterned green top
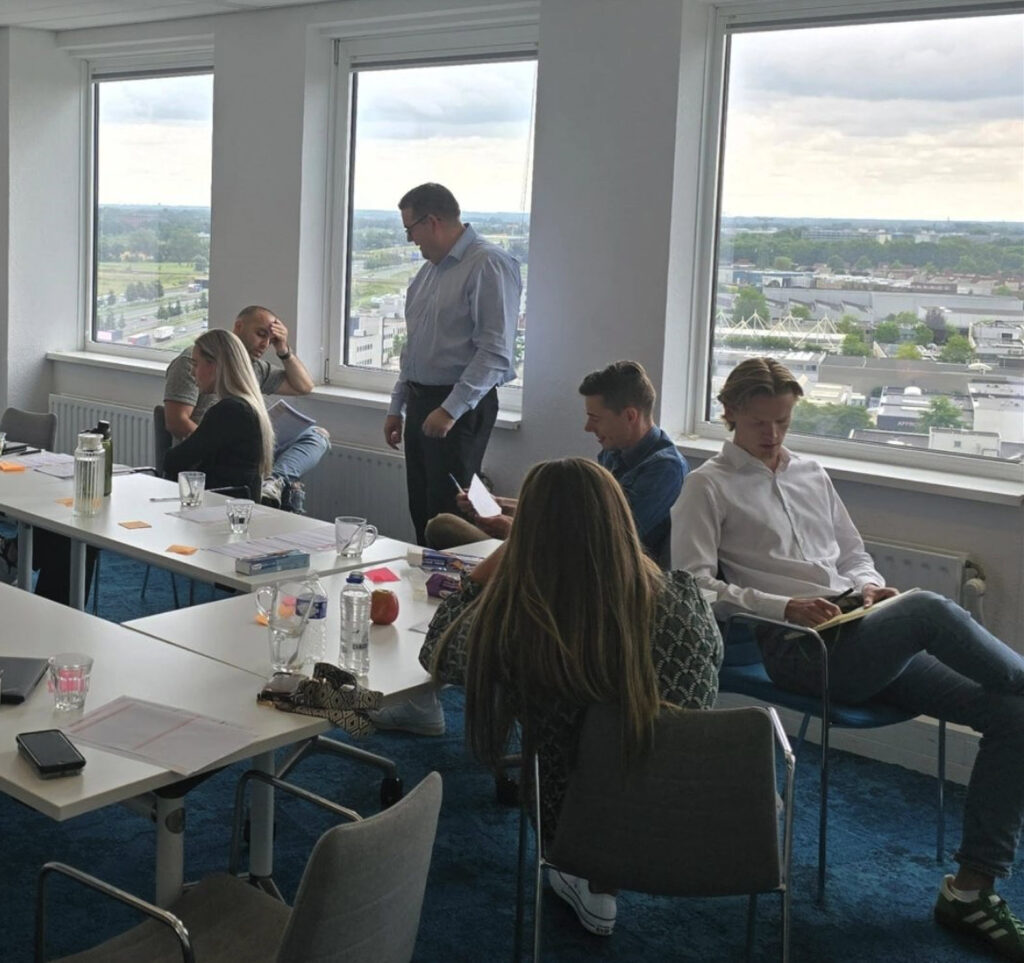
(687, 650)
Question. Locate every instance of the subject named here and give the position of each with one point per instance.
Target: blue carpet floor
(882, 878)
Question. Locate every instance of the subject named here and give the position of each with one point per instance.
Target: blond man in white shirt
(767, 532)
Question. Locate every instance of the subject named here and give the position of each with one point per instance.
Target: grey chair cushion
(696, 817)
(228, 919)
(36, 428)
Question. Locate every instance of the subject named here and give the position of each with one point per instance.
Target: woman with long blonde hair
(234, 443)
(569, 612)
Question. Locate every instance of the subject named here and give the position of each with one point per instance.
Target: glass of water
(286, 623)
(239, 511)
(190, 488)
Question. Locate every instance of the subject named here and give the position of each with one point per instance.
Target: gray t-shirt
(180, 385)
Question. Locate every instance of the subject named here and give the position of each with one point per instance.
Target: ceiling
(73, 14)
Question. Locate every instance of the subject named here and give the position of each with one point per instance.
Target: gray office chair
(359, 900)
(697, 816)
(35, 428)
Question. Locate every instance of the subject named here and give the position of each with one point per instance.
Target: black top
(227, 446)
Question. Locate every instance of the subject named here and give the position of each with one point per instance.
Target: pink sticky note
(381, 575)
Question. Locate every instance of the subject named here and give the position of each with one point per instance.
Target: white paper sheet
(320, 539)
(481, 500)
(162, 735)
(212, 514)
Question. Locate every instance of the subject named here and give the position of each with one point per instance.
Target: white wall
(40, 264)
(620, 93)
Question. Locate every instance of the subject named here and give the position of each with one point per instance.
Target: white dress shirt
(773, 535)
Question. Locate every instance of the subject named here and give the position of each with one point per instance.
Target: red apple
(383, 606)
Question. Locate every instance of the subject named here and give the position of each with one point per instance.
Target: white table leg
(261, 820)
(77, 596)
(170, 849)
(25, 556)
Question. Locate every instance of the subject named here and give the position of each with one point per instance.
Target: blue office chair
(743, 672)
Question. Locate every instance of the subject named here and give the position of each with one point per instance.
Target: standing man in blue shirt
(461, 312)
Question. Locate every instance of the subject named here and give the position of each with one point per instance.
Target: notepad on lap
(288, 423)
(20, 677)
(863, 610)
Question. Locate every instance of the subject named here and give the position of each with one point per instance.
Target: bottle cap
(90, 441)
(355, 577)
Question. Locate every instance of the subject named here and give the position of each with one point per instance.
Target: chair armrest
(144, 470)
(288, 787)
(93, 882)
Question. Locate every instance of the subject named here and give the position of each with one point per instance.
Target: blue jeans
(926, 655)
(302, 455)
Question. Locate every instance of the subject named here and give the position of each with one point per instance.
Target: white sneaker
(273, 488)
(596, 911)
(421, 715)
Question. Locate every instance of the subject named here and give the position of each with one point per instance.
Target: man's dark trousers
(429, 461)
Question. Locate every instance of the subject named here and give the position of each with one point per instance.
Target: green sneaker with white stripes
(986, 918)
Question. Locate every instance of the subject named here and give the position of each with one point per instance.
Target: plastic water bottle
(354, 651)
(89, 466)
(314, 595)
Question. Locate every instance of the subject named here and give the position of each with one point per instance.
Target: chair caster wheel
(506, 791)
(390, 791)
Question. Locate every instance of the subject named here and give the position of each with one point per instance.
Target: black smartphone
(51, 752)
(281, 687)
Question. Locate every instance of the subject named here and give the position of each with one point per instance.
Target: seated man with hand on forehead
(765, 530)
(619, 401)
(184, 403)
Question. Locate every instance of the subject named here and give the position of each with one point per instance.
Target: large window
(870, 228)
(468, 126)
(151, 224)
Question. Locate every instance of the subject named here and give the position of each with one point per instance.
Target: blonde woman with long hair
(568, 613)
(234, 443)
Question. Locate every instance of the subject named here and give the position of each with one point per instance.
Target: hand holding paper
(480, 498)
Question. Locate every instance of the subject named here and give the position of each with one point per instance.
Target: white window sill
(969, 487)
(333, 394)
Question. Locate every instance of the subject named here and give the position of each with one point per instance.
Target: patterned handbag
(333, 694)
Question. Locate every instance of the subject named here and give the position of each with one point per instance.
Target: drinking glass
(69, 679)
(286, 622)
(352, 535)
(239, 511)
(190, 488)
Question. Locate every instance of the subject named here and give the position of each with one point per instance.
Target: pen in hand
(455, 482)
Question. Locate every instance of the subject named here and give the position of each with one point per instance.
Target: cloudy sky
(906, 120)
(912, 120)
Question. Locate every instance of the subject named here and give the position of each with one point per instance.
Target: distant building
(999, 343)
(900, 409)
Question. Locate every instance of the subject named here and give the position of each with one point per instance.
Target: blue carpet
(882, 879)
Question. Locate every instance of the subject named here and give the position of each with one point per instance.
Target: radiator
(131, 428)
(363, 482)
(952, 574)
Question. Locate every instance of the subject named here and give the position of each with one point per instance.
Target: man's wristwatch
(285, 356)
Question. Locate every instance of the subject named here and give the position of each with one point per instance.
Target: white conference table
(131, 663)
(227, 630)
(132, 499)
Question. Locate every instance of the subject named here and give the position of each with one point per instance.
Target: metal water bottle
(89, 467)
(103, 430)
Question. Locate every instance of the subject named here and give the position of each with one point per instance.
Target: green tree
(201, 263)
(854, 346)
(800, 311)
(111, 298)
(848, 324)
(956, 350)
(748, 302)
(863, 264)
(908, 352)
(836, 421)
(836, 264)
(904, 318)
(783, 263)
(1002, 290)
(922, 334)
(888, 332)
(204, 301)
(941, 413)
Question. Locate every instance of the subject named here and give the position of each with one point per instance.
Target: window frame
(353, 55)
(135, 66)
(723, 22)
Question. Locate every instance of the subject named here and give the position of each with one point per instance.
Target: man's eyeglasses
(408, 229)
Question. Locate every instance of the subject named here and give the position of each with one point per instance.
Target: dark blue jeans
(926, 655)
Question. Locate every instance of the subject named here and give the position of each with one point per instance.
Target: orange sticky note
(182, 549)
(136, 525)
(65, 501)
(11, 466)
